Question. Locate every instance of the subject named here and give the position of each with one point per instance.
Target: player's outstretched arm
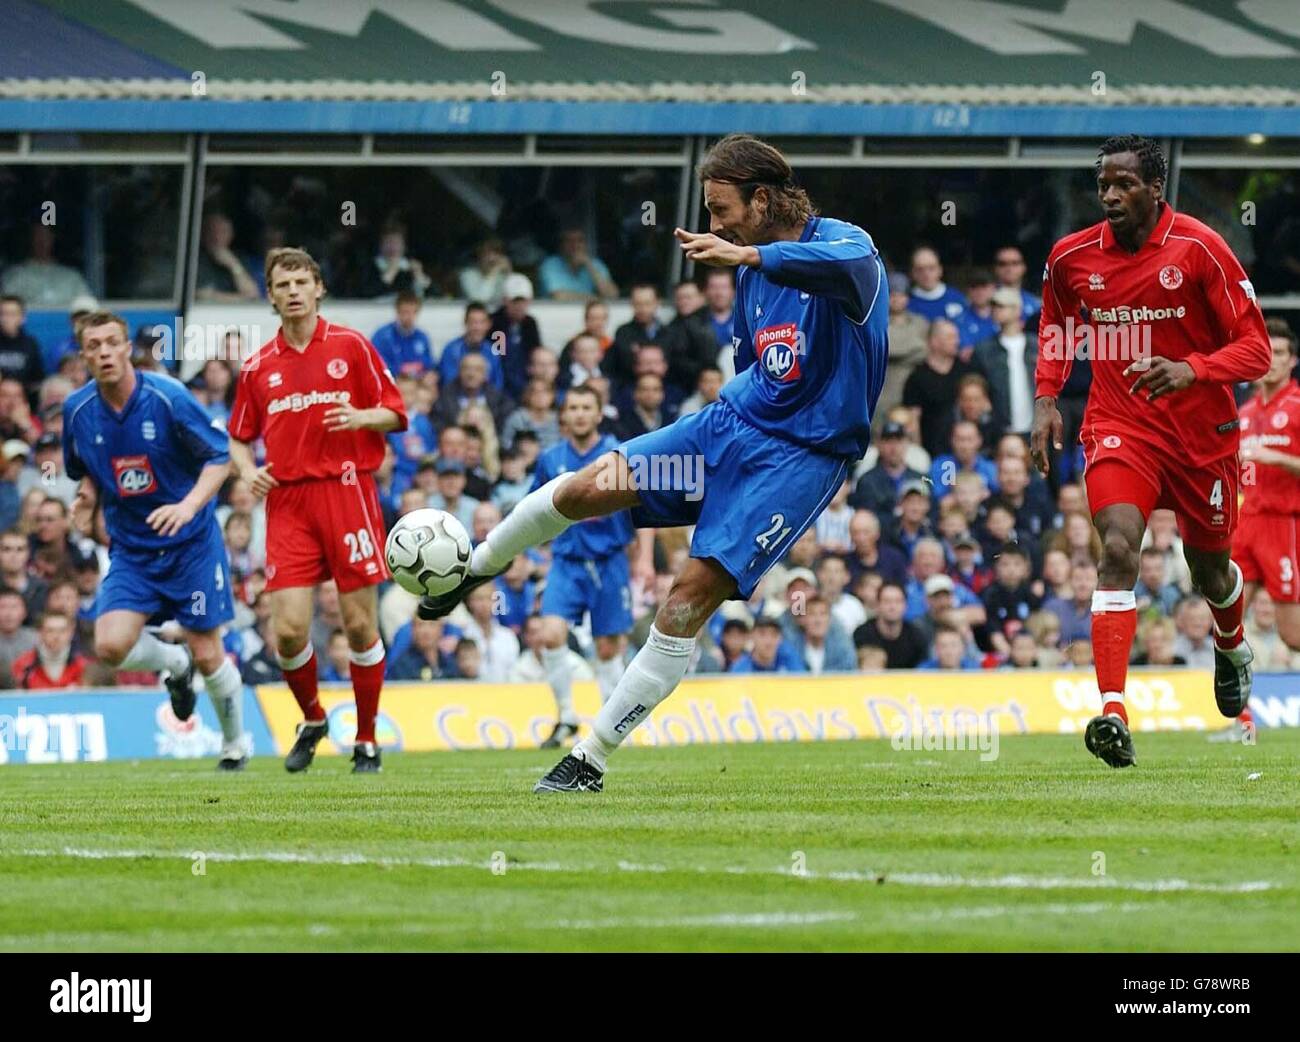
(1048, 426)
(170, 519)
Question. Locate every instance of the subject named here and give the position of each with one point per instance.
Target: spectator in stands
(820, 642)
(16, 638)
(517, 591)
(968, 567)
(47, 473)
(833, 523)
(519, 331)
(1034, 512)
(647, 412)
(869, 554)
(1010, 600)
(15, 413)
(536, 414)
(1046, 630)
(485, 279)
(969, 491)
(996, 527)
(403, 345)
(391, 271)
(336, 669)
(450, 495)
(907, 339)
(1162, 534)
(689, 340)
(14, 455)
(964, 458)
(903, 642)
(877, 490)
(20, 354)
(643, 327)
(51, 663)
(769, 653)
(15, 554)
(55, 351)
(41, 280)
(979, 323)
(832, 583)
(1009, 269)
(214, 388)
(1056, 574)
(474, 341)
(911, 520)
(651, 359)
(931, 390)
(514, 482)
(221, 276)
(708, 386)
(720, 298)
(927, 562)
(1008, 359)
(423, 660)
(950, 650)
(931, 298)
(1195, 625)
(1152, 593)
(499, 645)
(54, 533)
(1157, 640)
(471, 386)
(1271, 651)
(1075, 614)
(975, 406)
(584, 362)
(469, 660)
(1024, 652)
(574, 273)
(732, 642)
(1076, 537)
(263, 665)
(529, 668)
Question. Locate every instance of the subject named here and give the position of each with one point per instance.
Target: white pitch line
(740, 920)
(916, 879)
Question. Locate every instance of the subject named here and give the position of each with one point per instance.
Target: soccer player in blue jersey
(146, 452)
(590, 569)
(810, 335)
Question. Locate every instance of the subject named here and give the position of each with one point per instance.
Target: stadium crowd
(944, 549)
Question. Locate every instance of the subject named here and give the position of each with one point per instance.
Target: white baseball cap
(517, 285)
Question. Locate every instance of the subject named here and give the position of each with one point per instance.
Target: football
(427, 551)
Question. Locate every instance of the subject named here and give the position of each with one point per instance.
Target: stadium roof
(518, 64)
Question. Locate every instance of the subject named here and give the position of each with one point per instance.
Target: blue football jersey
(597, 536)
(811, 338)
(147, 456)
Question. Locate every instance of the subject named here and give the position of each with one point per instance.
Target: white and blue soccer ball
(428, 551)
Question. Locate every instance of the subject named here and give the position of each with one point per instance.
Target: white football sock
(534, 520)
(154, 655)
(650, 678)
(227, 693)
(608, 673)
(559, 674)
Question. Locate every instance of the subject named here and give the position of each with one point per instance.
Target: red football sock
(1246, 719)
(1227, 616)
(367, 670)
(300, 675)
(1114, 623)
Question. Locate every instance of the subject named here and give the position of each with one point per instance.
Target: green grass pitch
(816, 846)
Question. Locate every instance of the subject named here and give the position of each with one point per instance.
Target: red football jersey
(284, 394)
(1275, 425)
(1182, 296)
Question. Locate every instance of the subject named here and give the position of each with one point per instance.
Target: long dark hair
(749, 164)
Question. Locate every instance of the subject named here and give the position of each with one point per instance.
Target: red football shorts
(322, 529)
(1124, 470)
(1265, 549)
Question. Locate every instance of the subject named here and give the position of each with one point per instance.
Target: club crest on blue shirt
(777, 350)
